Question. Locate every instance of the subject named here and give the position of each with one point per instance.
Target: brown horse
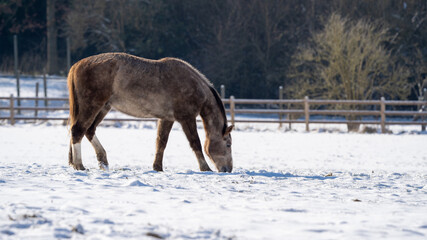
(168, 89)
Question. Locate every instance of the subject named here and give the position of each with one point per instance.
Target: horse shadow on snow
(264, 173)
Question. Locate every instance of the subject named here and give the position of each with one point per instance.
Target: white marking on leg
(99, 151)
(104, 167)
(77, 154)
(97, 145)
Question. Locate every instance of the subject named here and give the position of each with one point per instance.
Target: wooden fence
(300, 111)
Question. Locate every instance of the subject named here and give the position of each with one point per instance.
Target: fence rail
(292, 112)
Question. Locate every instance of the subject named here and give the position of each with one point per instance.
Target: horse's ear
(228, 130)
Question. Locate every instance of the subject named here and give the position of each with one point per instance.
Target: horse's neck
(212, 119)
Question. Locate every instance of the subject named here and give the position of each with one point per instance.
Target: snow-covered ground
(285, 185)
(56, 86)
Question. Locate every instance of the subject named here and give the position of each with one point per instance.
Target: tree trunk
(52, 50)
(353, 127)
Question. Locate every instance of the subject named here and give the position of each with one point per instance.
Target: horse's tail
(72, 98)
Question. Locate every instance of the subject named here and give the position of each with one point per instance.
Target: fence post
(289, 117)
(422, 108)
(232, 109)
(45, 86)
(36, 103)
(15, 54)
(222, 91)
(307, 113)
(12, 110)
(383, 130)
(280, 105)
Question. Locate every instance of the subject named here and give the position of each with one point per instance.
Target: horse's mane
(214, 92)
(221, 107)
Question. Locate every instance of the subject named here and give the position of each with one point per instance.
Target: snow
(284, 185)
(56, 86)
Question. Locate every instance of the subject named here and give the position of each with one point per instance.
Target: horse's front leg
(190, 129)
(163, 130)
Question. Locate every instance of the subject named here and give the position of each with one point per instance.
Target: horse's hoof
(205, 169)
(104, 167)
(157, 168)
(79, 167)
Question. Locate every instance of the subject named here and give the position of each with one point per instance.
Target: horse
(168, 89)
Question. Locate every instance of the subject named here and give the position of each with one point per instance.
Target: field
(285, 185)
(326, 184)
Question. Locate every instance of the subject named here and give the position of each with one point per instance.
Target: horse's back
(167, 88)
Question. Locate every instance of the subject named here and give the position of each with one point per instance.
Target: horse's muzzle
(226, 169)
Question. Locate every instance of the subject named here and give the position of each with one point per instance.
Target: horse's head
(219, 151)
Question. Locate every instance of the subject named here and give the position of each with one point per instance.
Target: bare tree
(252, 42)
(418, 73)
(103, 23)
(348, 60)
(52, 35)
(88, 24)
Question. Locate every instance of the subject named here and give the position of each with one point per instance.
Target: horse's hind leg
(75, 155)
(163, 130)
(190, 129)
(101, 154)
(84, 121)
